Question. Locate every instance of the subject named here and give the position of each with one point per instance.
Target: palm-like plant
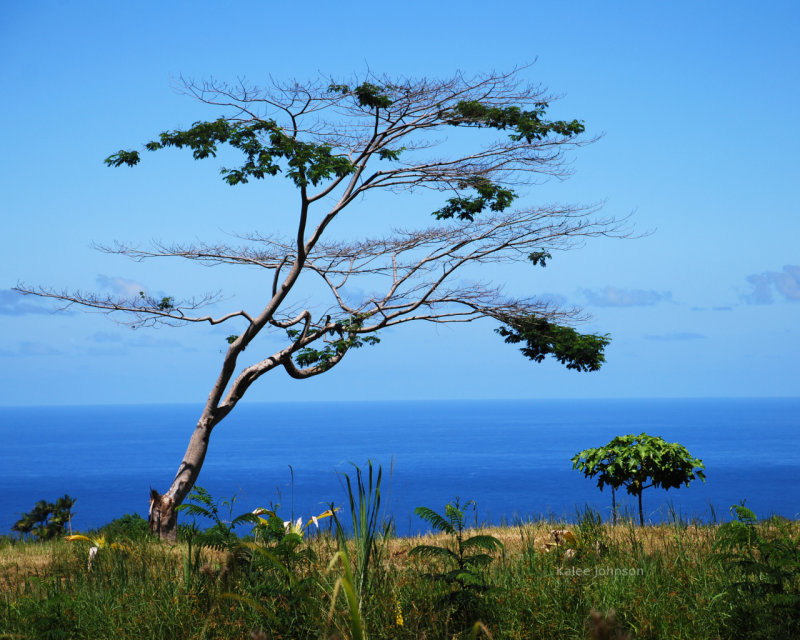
(463, 557)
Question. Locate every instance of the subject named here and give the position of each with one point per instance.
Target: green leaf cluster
(466, 208)
(347, 337)
(367, 94)
(263, 144)
(527, 125)
(630, 461)
(390, 154)
(370, 95)
(539, 258)
(166, 303)
(578, 351)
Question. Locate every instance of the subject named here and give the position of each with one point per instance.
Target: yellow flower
(398, 613)
(99, 542)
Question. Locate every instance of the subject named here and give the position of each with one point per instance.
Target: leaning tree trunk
(163, 516)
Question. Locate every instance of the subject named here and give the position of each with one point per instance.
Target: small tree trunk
(614, 505)
(163, 516)
(641, 513)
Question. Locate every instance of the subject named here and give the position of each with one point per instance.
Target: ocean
(511, 457)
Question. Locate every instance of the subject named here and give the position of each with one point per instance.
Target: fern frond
(435, 520)
(195, 510)
(202, 495)
(487, 542)
(455, 516)
(246, 517)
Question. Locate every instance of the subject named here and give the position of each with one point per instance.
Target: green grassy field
(679, 580)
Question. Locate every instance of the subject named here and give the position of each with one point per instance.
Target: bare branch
(146, 311)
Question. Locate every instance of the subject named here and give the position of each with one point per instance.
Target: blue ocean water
(511, 457)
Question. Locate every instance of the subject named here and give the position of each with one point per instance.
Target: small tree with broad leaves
(632, 461)
(337, 143)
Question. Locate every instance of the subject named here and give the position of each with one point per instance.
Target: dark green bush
(130, 526)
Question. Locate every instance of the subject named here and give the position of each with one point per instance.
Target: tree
(47, 519)
(336, 143)
(630, 461)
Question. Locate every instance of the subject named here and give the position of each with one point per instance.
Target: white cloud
(615, 297)
(120, 286)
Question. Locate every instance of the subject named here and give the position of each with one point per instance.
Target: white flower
(92, 553)
(297, 527)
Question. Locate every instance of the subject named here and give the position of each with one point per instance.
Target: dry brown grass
(21, 561)
(518, 539)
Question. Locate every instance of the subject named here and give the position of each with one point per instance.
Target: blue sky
(697, 102)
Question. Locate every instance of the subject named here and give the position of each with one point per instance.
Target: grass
(683, 580)
(662, 581)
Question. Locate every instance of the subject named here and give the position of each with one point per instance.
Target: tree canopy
(631, 461)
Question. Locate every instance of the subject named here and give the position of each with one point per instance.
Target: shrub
(130, 526)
